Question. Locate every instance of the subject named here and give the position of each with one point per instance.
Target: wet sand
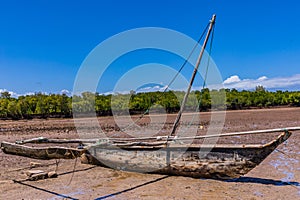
(277, 177)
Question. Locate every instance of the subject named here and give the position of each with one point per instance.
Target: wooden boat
(219, 161)
(164, 155)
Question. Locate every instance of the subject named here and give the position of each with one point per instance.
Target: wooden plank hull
(220, 162)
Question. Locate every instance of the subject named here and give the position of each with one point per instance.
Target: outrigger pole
(158, 138)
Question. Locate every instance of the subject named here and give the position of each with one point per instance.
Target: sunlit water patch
(285, 164)
(68, 196)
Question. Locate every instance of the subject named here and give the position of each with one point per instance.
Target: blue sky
(43, 43)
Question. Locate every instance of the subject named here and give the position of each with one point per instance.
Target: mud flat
(278, 177)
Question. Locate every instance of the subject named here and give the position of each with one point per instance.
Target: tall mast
(176, 123)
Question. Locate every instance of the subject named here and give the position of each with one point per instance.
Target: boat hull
(219, 162)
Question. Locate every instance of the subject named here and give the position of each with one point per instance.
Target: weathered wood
(151, 144)
(42, 153)
(209, 161)
(171, 138)
(60, 141)
(33, 172)
(105, 141)
(39, 176)
(52, 174)
(220, 162)
(35, 164)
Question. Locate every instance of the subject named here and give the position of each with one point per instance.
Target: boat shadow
(237, 180)
(59, 195)
(65, 196)
(243, 179)
(263, 181)
(45, 190)
(132, 188)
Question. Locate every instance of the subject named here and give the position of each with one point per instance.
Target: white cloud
(12, 94)
(155, 88)
(262, 78)
(232, 79)
(277, 83)
(66, 92)
(16, 95)
(269, 83)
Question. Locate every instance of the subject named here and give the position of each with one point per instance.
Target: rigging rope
(187, 59)
(209, 56)
(173, 79)
(204, 80)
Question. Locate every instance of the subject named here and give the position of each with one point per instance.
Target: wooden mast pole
(176, 123)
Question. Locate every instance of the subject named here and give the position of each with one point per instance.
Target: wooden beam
(42, 153)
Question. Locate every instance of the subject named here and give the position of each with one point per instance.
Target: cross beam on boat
(158, 138)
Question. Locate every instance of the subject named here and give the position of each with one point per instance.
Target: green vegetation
(37, 105)
(55, 105)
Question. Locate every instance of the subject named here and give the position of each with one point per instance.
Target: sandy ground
(278, 177)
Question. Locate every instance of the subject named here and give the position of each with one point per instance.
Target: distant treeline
(56, 105)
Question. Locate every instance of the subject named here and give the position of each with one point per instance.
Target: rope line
(204, 80)
(173, 79)
(209, 56)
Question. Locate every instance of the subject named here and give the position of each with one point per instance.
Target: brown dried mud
(277, 177)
